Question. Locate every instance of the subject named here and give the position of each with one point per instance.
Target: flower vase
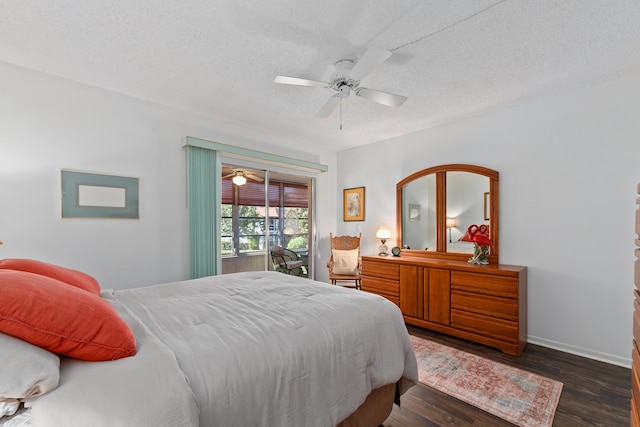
(480, 255)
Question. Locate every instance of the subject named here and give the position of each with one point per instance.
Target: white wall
(569, 166)
(48, 124)
(568, 172)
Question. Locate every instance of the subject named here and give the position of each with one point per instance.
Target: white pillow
(345, 262)
(26, 371)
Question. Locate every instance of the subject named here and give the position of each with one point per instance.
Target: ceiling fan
(346, 79)
(240, 176)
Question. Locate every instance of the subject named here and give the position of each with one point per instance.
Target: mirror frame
(441, 210)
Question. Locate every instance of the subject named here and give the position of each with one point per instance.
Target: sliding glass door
(261, 210)
(205, 176)
(243, 220)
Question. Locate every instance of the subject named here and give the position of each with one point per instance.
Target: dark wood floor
(594, 393)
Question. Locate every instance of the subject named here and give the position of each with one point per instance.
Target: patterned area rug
(520, 397)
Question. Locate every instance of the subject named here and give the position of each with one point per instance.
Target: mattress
(255, 348)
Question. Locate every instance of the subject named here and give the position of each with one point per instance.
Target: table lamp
(383, 234)
(451, 223)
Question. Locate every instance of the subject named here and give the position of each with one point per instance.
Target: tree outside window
(243, 225)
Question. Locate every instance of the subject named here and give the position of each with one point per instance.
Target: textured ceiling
(451, 58)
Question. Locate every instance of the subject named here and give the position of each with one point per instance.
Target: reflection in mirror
(465, 203)
(419, 214)
(436, 206)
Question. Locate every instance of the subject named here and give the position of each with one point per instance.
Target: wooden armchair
(345, 263)
(286, 261)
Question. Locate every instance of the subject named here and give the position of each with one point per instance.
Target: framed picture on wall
(92, 195)
(354, 204)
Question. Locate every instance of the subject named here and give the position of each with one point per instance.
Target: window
(244, 216)
(295, 214)
(296, 228)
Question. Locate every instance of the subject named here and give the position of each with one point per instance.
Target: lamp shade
(383, 233)
(451, 222)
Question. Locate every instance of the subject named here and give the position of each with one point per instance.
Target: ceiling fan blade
(373, 57)
(299, 82)
(253, 177)
(229, 176)
(328, 107)
(381, 97)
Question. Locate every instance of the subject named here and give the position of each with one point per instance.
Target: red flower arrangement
(479, 235)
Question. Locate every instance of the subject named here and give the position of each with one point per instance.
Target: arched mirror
(435, 206)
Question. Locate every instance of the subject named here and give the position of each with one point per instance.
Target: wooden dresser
(635, 353)
(482, 303)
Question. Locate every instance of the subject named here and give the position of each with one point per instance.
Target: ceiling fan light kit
(347, 78)
(240, 176)
(239, 180)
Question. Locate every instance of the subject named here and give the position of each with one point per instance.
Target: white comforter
(247, 349)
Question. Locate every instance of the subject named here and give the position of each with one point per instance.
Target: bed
(243, 349)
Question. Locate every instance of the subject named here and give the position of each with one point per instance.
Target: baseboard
(579, 351)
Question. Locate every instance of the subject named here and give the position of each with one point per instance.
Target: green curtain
(204, 171)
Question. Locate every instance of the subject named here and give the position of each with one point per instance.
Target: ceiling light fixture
(346, 79)
(239, 179)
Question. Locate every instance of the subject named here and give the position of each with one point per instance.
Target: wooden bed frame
(375, 409)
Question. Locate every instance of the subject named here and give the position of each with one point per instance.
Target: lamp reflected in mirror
(383, 234)
(451, 223)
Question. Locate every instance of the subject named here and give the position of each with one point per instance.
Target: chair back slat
(345, 243)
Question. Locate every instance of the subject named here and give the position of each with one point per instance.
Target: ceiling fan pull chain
(340, 111)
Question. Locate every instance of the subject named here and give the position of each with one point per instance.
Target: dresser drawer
(381, 269)
(638, 219)
(492, 327)
(485, 283)
(504, 308)
(635, 386)
(635, 418)
(635, 359)
(636, 325)
(381, 286)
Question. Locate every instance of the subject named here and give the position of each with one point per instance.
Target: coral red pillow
(61, 318)
(72, 277)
